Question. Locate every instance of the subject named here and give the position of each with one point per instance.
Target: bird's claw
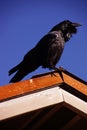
(53, 74)
(59, 70)
(60, 73)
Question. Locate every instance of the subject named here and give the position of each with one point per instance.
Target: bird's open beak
(76, 24)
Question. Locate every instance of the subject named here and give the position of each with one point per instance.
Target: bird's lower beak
(76, 24)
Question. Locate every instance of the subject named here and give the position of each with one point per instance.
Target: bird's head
(67, 27)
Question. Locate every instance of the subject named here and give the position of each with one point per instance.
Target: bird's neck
(67, 36)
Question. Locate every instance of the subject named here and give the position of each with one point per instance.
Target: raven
(47, 52)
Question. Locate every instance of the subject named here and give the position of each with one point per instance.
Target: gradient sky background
(24, 22)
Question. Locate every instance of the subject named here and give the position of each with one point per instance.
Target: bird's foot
(59, 70)
(53, 74)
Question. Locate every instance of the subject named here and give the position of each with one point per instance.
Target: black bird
(47, 52)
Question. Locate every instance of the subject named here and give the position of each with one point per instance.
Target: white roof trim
(74, 101)
(39, 100)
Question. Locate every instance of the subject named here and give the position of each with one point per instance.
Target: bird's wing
(51, 47)
(47, 40)
(41, 47)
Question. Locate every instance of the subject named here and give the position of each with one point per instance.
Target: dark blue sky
(24, 22)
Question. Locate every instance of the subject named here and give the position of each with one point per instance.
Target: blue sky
(24, 22)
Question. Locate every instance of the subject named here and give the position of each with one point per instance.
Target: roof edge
(40, 82)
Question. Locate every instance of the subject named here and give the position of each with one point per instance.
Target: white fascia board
(74, 101)
(30, 102)
(39, 100)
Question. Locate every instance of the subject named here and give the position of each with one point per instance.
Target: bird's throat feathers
(67, 36)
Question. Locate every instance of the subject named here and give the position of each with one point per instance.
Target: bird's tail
(22, 71)
(14, 69)
(17, 77)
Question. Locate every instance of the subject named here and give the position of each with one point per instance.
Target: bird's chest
(59, 45)
(56, 51)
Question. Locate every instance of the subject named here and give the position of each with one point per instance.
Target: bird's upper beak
(76, 24)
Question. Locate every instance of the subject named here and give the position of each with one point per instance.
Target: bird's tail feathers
(22, 71)
(14, 69)
(17, 77)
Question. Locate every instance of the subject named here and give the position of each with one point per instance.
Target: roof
(45, 93)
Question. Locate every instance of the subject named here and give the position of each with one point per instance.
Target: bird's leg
(59, 70)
